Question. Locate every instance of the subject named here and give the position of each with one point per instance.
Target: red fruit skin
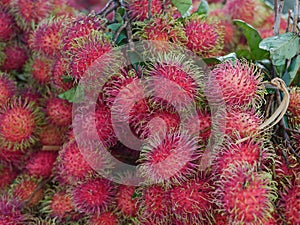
(12, 157)
(15, 57)
(138, 9)
(7, 26)
(59, 112)
(10, 211)
(7, 88)
(93, 196)
(28, 12)
(46, 39)
(126, 204)
(52, 135)
(7, 175)
(71, 166)
(41, 163)
(106, 218)
(240, 83)
(154, 205)
(244, 10)
(294, 106)
(59, 70)
(41, 69)
(191, 202)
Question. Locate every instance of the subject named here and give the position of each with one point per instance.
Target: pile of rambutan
(46, 175)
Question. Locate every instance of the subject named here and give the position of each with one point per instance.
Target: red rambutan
(138, 9)
(294, 106)
(29, 13)
(59, 73)
(41, 163)
(169, 159)
(52, 135)
(10, 211)
(59, 111)
(20, 123)
(7, 88)
(12, 157)
(93, 196)
(240, 82)
(46, 39)
(7, 175)
(7, 25)
(106, 218)
(205, 37)
(191, 201)
(13, 57)
(126, 204)
(247, 196)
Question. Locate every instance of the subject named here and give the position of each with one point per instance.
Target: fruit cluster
(47, 47)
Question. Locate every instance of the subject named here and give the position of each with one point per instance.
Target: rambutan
(40, 163)
(59, 73)
(40, 68)
(175, 79)
(12, 157)
(168, 159)
(247, 196)
(10, 211)
(240, 82)
(7, 175)
(20, 123)
(46, 39)
(52, 135)
(106, 218)
(71, 165)
(7, 88)
(154, 205)
(29, 13)
(266, 29)
(290, 204)
(138, 9)
(191, 201)
(13, 57)
(27, 188)
(86, 51)
(205, 37)
(93, 196)
(242, 123)
(126, 204)
(58, 204)
(59, 111)
(7, 25)
(294, 106)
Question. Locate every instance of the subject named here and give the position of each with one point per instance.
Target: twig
(296, 15)
(111, 9)
(269, 105)
(149, 9)
(128, 28)
(51, 148)
(289, 20)
(117, 34)
(105, 8)
(278, 7)
(293, 131)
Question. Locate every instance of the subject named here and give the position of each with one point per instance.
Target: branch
(278, 7)
(149, 9)
(296, 15)
(105, 8)
(117, 34)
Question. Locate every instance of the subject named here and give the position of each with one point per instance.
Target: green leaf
(67, 79)
(72, 94)
(203, 7)
(291, 72)
(114, 26)
(281, 47)
(243, 53)
(121, 37)
(253, 39)
(183, 6)
(212, 61)
(231, 56)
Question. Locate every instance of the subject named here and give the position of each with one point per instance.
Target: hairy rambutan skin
(290, 203)
(191, 201)
(169, 159)
(138, 9)
(294, 106)
(13, 57)
(28, 13)
(59, 111)
(10, 211)
(240, 83)
(7, 88)
(71, 166)
(20, 123)
(93, 196)
(7, 25)
(12, 157)
(46, 39)
(154, 205)
(247, 196)
(59, 72)
(205, 37)
(26, 188)
(40, 68)
(52, 135)
(7, 175)
(86, 51)
(41, 163)
(106, 218)
(126, 204)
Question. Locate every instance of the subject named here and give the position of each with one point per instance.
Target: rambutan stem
(51, 148)
(293, 131)
(105, 8)
(117, 34)
(278, 7)
(296, 15)
(149, 9)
